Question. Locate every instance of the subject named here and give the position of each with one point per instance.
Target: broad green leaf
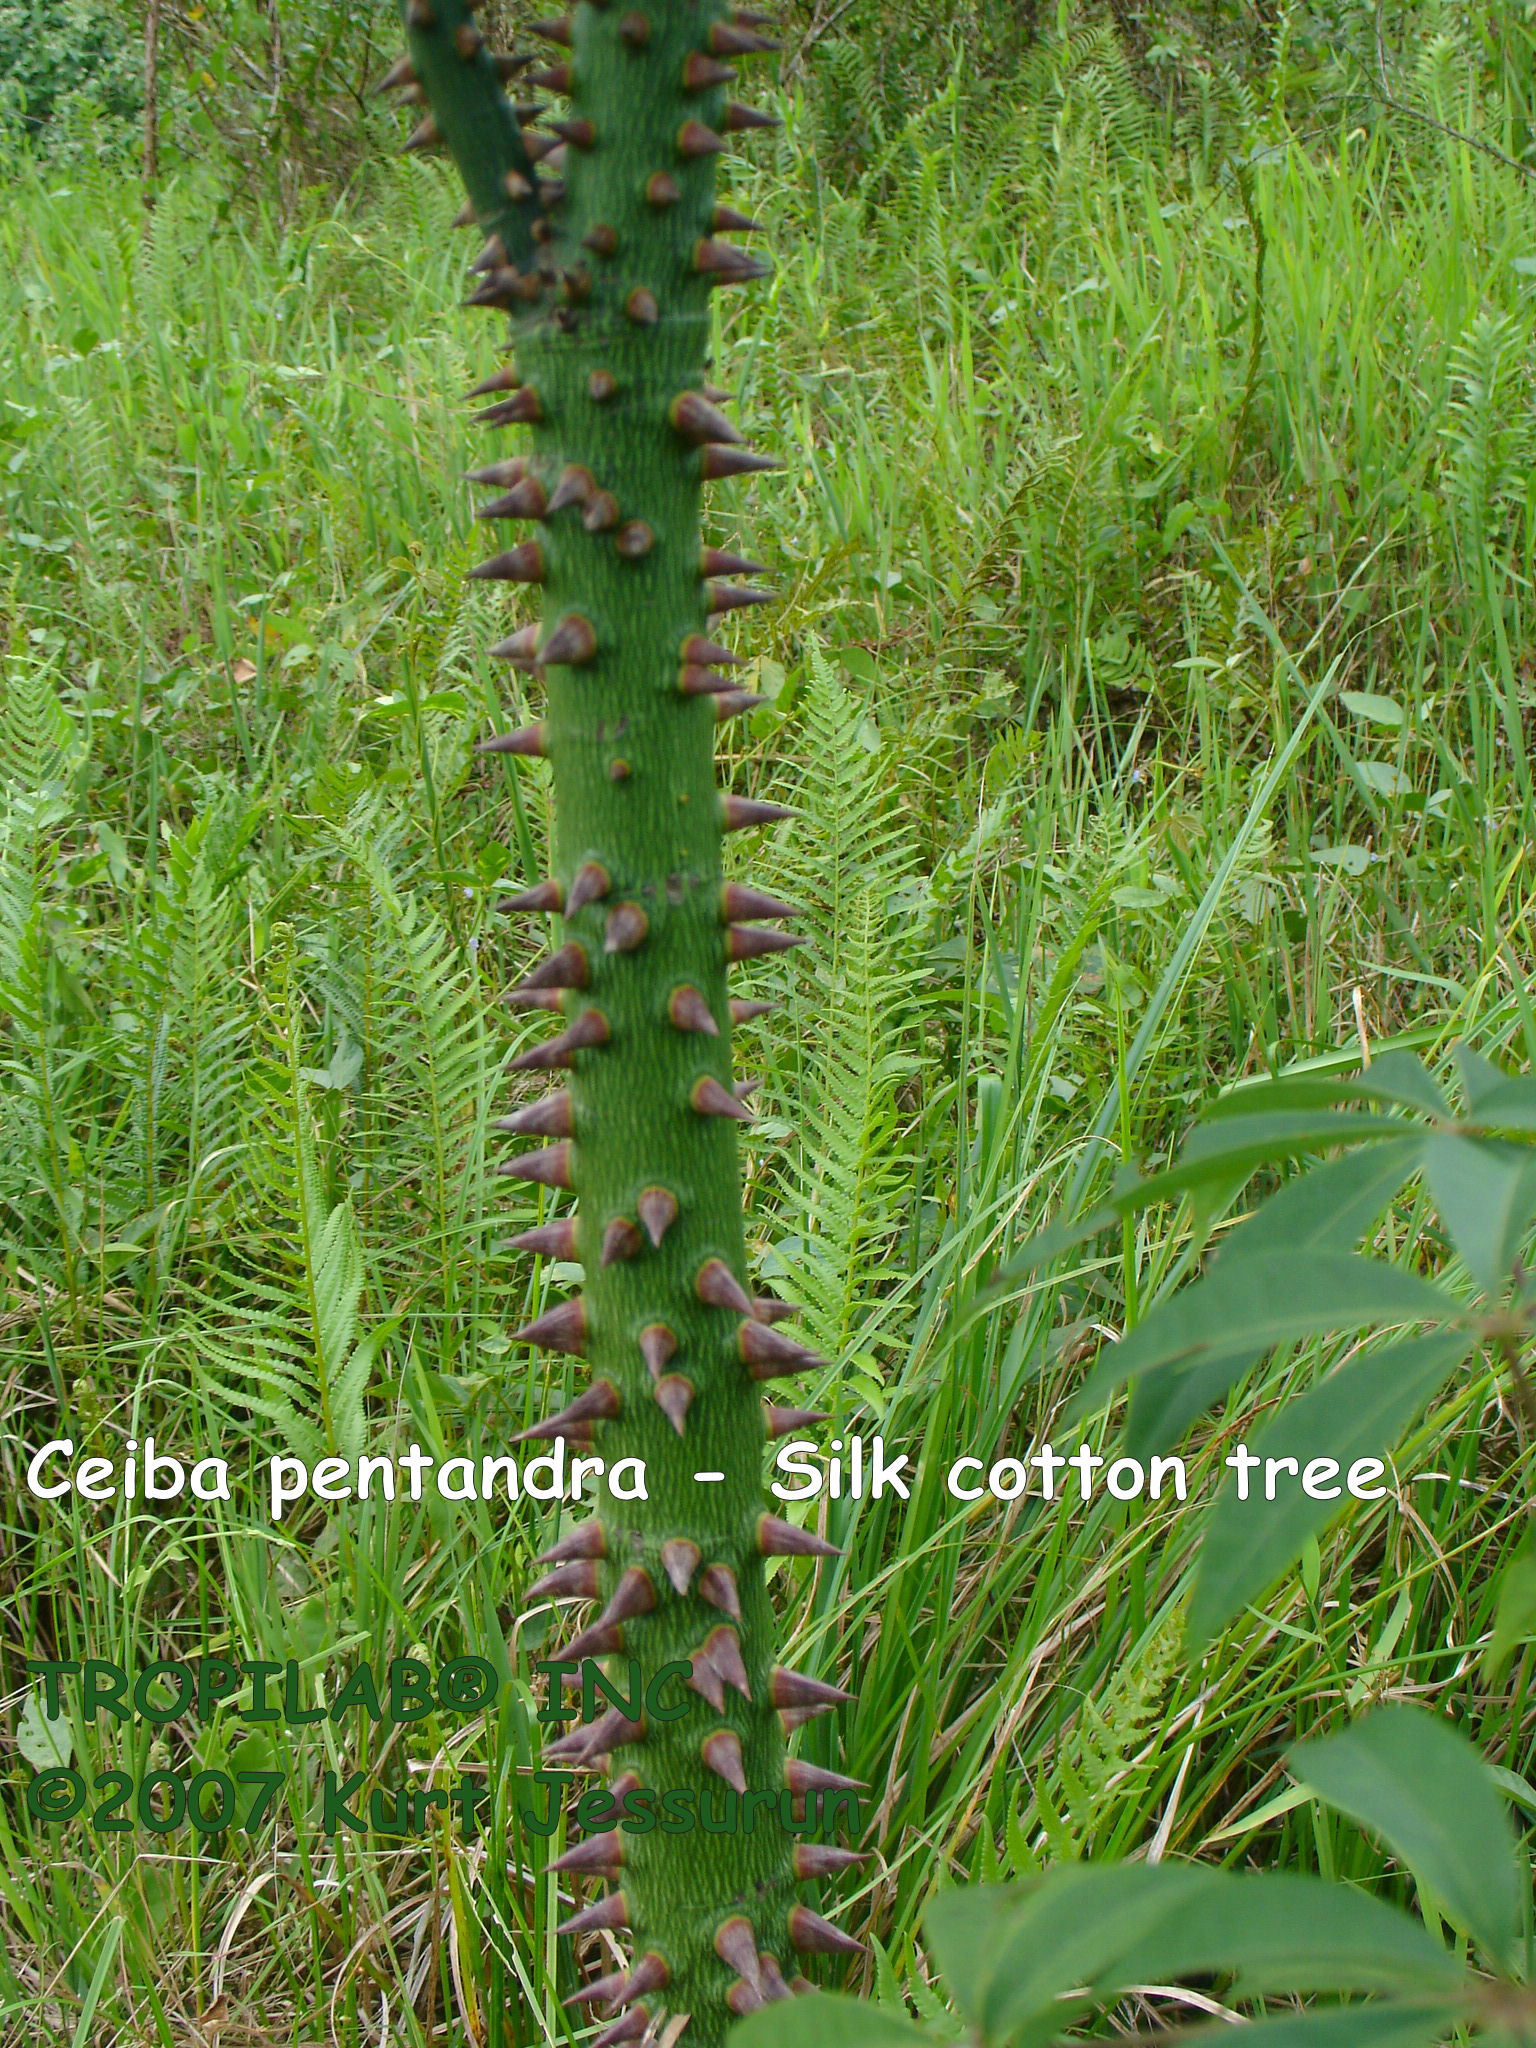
(1408, 1777)
(1515, 1617)
(1358, 1411)
(1282, 1134)
(1480, 1078)
(43, 1740)
(1193, 1346)
(829, 2020)
(1374, 709)
(1336, 1203)
(1486, 1195)
(1098, 1928)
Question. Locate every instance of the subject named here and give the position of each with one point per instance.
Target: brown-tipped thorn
(522, 564)
(776, 1538)
(658, 1347)
(793, 1689)
(567, 1581)
(736, 1944)
(566, 968)
(699, 652)
(580, 133)
(773, 1983)
(718, 1285)
(738, 901)
(626, 928)
(694, 140)
(520, 648)
(601, 238)
(716, 462)
(590, 885)
(689, 1012)
(693, 681)
(597, 1641)
(630, 2028)
(555, 1240)
(549, 1000)
(768, 1356)
(427, 135)
(737, 119)
(719, 562)
(633, 1595)
(814, 1936)
(751, 942)
(697, 420)
(743, 1998)
(662, 189)
(724, 1651)
(563, 1328)
(674, 1397)
(821, 1859)
(745, 1008)
(553, 78)
(717, 1585)
(725, 39)
(572, 644)
(527, 501)
(767, 1308)
(779, 1422)
(728, 597)
(573, 487)
(658, 1212)
(552, 1117)
(706, 1681)
(465, 217)
(611, 1912)
(740, 813)
(641, 307)
(727, 220)
(680, 1558)
(621, 1240)
(546, 895)
(722, 1755)
(613, 1730)
(700, 72)
(601, 385)
(707, 1097)
(732, 703)
(528, 739)
(634, 540)
(802, 1778)
(587, 1539)
(558, 29)
(401, 72)
(550, 1167)
(598, 1855)
(499, 476)
(723, 263)
(635, 30)
(523, 407)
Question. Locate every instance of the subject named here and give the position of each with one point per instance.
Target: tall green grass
(1155, 670)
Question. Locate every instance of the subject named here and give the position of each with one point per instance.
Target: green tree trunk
(606, 269)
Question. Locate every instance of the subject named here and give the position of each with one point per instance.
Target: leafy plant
(1033, 1962)
(606, 269)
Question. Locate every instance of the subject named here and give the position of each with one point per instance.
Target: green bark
(606, 269)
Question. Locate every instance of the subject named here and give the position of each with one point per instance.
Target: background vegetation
(1154, 684)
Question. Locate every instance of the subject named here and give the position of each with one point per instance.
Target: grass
(1153, 676)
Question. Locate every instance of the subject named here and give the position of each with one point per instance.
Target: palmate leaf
(1408, 1777)
(1196, 1345)
(1358, 1411)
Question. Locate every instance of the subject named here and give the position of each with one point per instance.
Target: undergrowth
(1158, 705)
